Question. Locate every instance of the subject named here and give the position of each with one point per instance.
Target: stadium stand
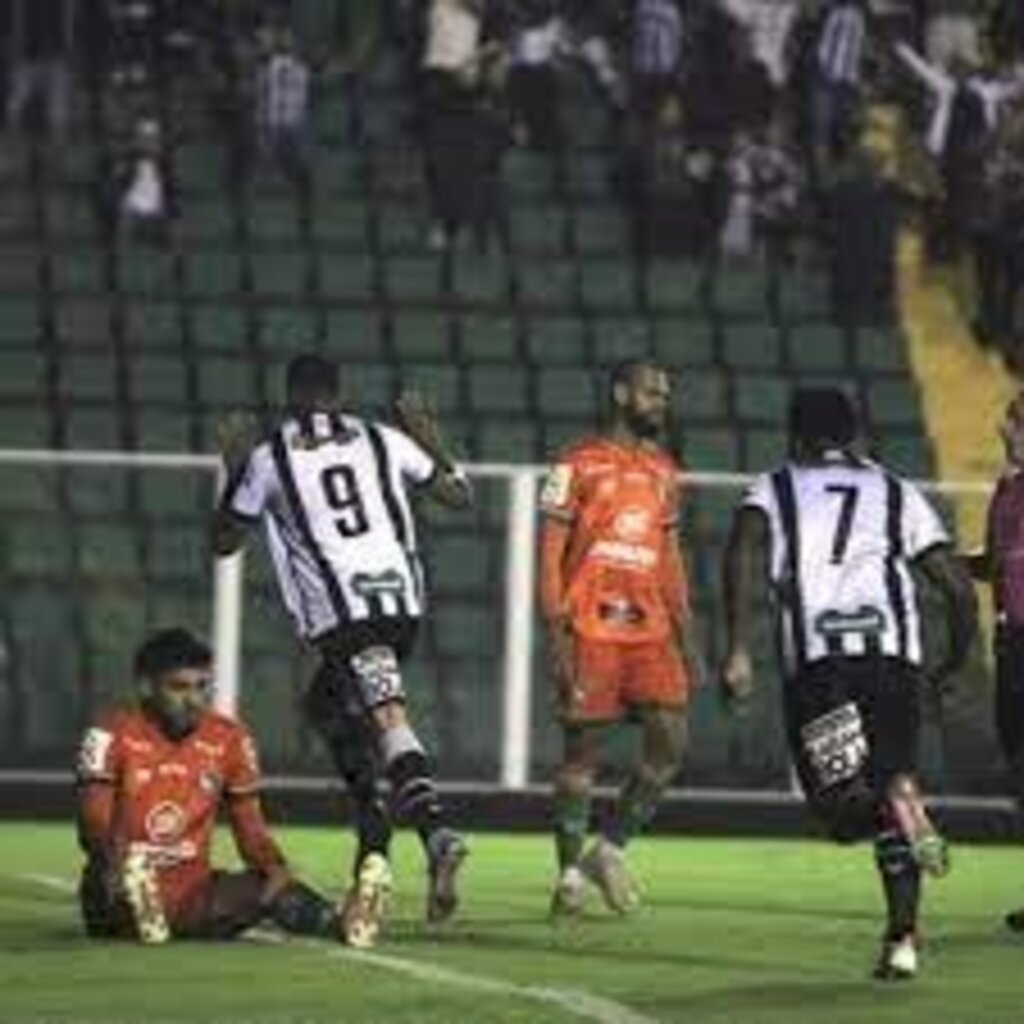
(130, 346)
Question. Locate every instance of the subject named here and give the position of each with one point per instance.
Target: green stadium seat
(464, 628)
(763, 449)
(143, 270)
(341, 221)
(25, 425)
(399, 227)
(95, 490)
(599, 230)
(107, 549)
(547, 283)
(229, 383)
(617, 338)
(372, 387)
(213, 273)
(529, 177)
(421, 337)
(504, 440)
(701, 395)
(35, 545)
(181, 604)
(160, 430)
(587, 171)
(440, 384)
(157, 379)
(908, 453)
(88, 377)
(558, 434)
(674, 285)
(499, 390)
(84, 322)
(356, 334)
(220, 327)
(20, 269)
(563, 392)
(607, 284)
(556, 340)
(22, 374)
(77, 270)
(761, 397)
(17, 218)
(20, 323)
(273, 221)
(459, 564)
(539, 228)
(206, 221)
(94, 427)
(803, 295)
(413, 279)
(740, 291)
(111, 617)
(486, 338)
(27, 488)
(815, 347)
(288, 329)
(710, 448)
(747, 346)
(172, 493)
(893, 402)
(153, 325)
(683, 341)
(69, 215)
(480, 278)
(280, 272)
(175, 552)
(199, 167)
(881, 350)
(345, 277)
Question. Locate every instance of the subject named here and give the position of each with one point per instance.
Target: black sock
(415, 797)
(302, 911)
(901, 882)
(373, 827)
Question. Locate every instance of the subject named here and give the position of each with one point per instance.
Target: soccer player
(333, 492)
(615, 608)
(835, 535)
(151, 779)
(1002, 564)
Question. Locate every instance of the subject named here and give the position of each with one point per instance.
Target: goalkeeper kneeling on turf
(151, 779)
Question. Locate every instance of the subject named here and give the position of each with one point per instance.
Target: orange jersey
(621, 506)
(167, 793)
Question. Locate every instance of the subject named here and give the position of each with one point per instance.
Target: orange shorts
(610, 678)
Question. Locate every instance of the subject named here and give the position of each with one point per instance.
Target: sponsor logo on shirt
(165, 823)
(635, 555)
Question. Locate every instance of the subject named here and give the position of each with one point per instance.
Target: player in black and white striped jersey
(835, 535)
(332, 491)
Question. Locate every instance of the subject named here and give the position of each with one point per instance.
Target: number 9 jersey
(333, 499)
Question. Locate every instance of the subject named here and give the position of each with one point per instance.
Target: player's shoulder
(218, 726)
(585, 452)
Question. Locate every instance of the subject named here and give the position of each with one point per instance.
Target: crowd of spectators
(734, 128)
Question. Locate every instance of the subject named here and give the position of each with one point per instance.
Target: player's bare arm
(416, 416)
(555, 534)
(237, 435)
(745, 555)
(944, 570)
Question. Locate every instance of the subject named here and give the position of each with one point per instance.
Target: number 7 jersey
(339, 526)
(843, 533)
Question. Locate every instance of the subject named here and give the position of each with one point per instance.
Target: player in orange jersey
(151, 778)
(616, 611)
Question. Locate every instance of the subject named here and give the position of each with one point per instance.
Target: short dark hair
(310, 376)
(822, 416)
(624, 371)
(169, 649)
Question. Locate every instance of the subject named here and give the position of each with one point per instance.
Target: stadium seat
(413, 279)
(20, 322)
(907, 453)
(283, 329)
(341, 221)
(28, 488)
(683, 341)
(740, 291)
(219, 327)
(280, 272)
(440, 384)
(356, 335)
(598, 230)
(206, 221)
(882, 350)
(107, 550)
(539, 229)
(674, 286)
(213, 273)
(746, 346)
(169, 493)
(507, 440)
(75, 270)
(22, 374)
(702, 395)
(69, 216)
(273, 221)
(111, 616)
(499, 390)
(176, 552)
(457, 564)
(763, 449)
(465, 628)
(710, 448)
(607, 285)
(893, 402)
(761, 398)
(421, 337)
(814, 347)
(157, 378)
(83, 322)
(547, 283)
(229, 383)
(399, 228)
(20, 270)
(35, 546)
(614, 339)
(373, 388)
(144, 270)
(29, 425)
(558, 340)
(485, 338)
(96, 491)
(161, 430)
(567, 393)
(88, 377)
(480, 278)
(152, 325)
(342, 276)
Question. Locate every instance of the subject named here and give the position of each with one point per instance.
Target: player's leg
(1009, 715)
(654, 685)
(374, 664)
(574, 781)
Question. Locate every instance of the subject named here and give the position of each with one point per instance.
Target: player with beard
(151, 780)
(616, 612)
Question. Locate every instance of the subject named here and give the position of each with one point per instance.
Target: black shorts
(852, 717)
(359, 670)
(1009, 707)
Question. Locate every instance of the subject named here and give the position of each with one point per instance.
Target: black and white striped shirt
(843, 533)
(333, 496)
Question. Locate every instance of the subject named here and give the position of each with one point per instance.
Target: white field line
(575, 1001)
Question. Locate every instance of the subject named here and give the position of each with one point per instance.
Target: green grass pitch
(731, 932)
